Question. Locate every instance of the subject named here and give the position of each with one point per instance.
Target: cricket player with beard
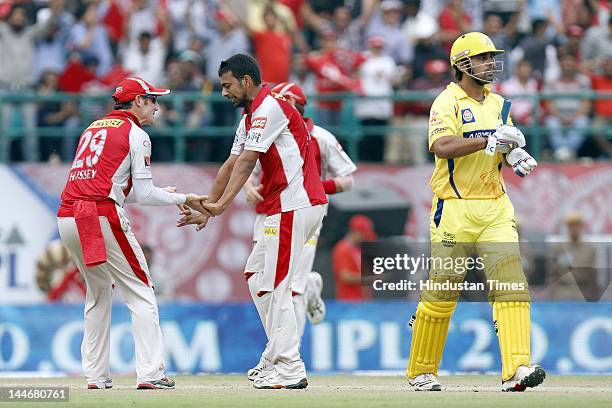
(335, 169)
(472, 212)
(273, 132)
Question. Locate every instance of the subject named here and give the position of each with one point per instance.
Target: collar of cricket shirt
(461, 94)
(125, 114)
(259, 98)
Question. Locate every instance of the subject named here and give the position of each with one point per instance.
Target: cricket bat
(490, 149)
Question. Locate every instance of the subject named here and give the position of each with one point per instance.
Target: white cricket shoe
(272, 380)
(102, 385)
(260, 369)
(315, 307)
(425, 382)
(525, 377)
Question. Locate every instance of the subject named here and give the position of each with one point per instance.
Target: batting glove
(508, 138)
(522, 163)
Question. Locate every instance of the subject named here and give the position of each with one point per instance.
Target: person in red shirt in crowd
(454, 21)
(303, 13)
(603, 107)
(346, 259)
(334, 69)
(272, 49)
(271, 46)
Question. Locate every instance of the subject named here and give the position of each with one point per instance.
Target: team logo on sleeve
(467, 116)
(147, 161)
(434, 118)
(259, 122)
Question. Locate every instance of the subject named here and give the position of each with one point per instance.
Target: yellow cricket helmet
(471, 44)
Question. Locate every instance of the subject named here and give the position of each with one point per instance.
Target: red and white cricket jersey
(276, 129)
(332, 160)
(111, 152)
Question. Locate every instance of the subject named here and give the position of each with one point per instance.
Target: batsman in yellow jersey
(471, 213)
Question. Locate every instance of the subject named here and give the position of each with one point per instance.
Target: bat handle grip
(505, 111)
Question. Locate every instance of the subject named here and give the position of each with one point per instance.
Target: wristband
(330, 186)
(491, 145)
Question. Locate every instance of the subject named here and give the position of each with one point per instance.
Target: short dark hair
(122, 105)
(538, 24)
(240, 65)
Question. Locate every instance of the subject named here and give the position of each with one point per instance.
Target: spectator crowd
(371, 48)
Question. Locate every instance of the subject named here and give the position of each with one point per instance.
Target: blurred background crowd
(364, 54)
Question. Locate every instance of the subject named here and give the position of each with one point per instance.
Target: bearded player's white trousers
(127, 268)
(270, 271)
(300, 279)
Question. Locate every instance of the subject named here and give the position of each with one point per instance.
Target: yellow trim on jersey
(115, 123)
(477, 175)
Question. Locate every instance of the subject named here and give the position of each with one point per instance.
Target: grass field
(333, 391)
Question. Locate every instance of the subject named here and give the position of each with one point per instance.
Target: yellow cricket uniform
(471, 214)
(476, 175)
(469, 203)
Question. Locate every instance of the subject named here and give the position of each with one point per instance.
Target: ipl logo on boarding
(467, 116)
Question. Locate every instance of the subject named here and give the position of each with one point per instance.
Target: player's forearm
(145, 193)
(338, 184)
(223, 177)
(250, 183)
(240, 174)
(450, 147)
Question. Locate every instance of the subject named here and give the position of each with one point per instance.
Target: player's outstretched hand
(198, 219)
(195, 202)
(508, 138)
(522, 163)
(214, 208)
(183, 209)
(253, 194)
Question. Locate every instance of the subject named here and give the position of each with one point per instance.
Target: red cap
(129, 88)
(363, 224)
(376, 41)
(292, 90)
(436, 66)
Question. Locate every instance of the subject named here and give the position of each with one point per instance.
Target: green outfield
(333, 391)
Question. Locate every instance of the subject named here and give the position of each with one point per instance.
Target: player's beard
(240, 103)
(480, 81)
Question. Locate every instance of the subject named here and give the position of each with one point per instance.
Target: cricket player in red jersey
(112, 166)
(273, 132)
(335, 169)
